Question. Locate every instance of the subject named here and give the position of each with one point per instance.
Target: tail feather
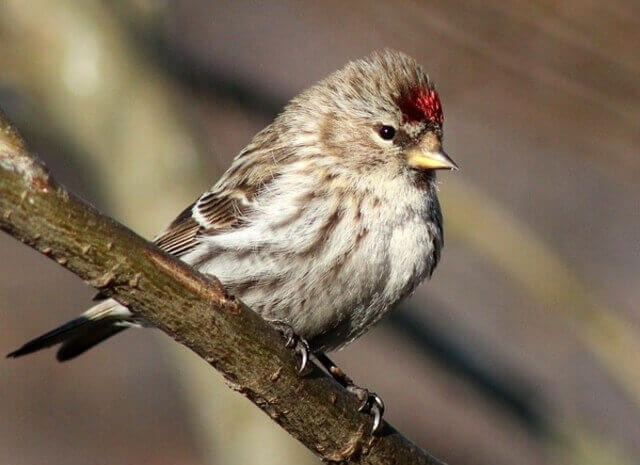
(80, 344)
(53, 337)
(80, 334)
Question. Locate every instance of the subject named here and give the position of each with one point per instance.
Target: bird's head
(378, 113)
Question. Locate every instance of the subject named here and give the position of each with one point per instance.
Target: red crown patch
(421, 105)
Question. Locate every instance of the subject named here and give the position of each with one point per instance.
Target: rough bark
(192, 309)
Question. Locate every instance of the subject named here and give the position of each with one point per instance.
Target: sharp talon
(303, 349)
(305, 358)
(379, 403)
(378, 412)
(371, 404)
(377, 421)
(292, 340)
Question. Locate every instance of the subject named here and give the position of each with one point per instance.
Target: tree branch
(192, 309)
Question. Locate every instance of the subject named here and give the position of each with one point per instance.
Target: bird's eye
(387, 132)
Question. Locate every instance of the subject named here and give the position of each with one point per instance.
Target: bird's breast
(330, 265)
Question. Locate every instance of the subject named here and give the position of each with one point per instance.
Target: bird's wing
(215, 211)
(227, 204)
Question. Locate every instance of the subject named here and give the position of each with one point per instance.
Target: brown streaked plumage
(325, 220)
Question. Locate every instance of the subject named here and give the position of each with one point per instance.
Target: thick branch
(191, 309)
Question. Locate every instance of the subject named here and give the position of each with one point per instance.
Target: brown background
(524, 348)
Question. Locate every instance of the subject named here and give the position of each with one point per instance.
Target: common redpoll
(323, 222)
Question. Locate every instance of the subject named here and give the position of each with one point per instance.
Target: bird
(322, 223)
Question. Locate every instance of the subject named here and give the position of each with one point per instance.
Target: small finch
(322, 223)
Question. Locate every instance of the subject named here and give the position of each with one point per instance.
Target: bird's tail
(80, 334)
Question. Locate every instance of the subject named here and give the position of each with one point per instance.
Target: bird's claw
(292, 341)
(371, 403)
(301, 347)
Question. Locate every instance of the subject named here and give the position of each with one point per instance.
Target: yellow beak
(423, 159)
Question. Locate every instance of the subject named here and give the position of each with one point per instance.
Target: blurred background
(525, 346)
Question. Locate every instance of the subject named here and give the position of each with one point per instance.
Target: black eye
(387, 132)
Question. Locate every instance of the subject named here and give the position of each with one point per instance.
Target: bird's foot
(371, 403)
(292, 341)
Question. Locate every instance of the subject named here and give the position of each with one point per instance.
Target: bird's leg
(370, 401)
(293, 341)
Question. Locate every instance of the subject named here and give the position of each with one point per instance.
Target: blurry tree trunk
(75, 60)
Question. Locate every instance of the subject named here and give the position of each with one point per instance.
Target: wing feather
(226, 205)
(178, 238)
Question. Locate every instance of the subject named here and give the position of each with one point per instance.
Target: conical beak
(420, 158)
